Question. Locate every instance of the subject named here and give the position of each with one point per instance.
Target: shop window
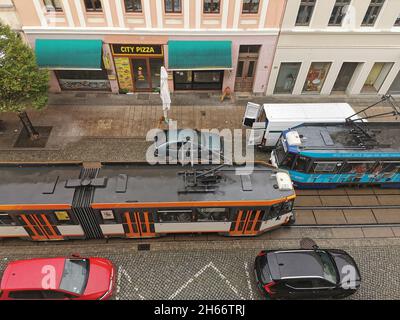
(198, 80)
(339, 12)
(372, 13)
(325, 167)
(171, 216)
(6, 220)
(395, 86)
(211, 6)
(301, 164)
(93, 5)
(397, 22)
(316, 77)
(287, 76)
(53, 5)
(83, 79)
(133, 5)
(250, 6)
(357, 167)
(211, 214)
(306, 10)
(173, 6)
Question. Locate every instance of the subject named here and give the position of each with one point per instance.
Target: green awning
(69, 54)
(199, 55)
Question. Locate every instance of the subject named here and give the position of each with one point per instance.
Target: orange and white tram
(45, 202)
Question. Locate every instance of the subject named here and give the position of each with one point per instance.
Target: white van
(269, 120)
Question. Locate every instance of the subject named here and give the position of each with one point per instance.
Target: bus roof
(308, 112)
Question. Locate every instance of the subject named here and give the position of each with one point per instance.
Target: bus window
(301, 164)
(325, 167)
(212, 214)
(358, 167)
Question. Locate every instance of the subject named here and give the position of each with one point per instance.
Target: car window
(75, 275)
(56, 295)
(321, 283)
(27, 294)
(330, 273)
(300, 283)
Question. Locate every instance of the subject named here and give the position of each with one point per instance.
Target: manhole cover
(144, 247)
(307, 243)
(24, 141)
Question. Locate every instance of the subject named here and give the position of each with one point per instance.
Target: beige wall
(153, 16)
(8, 14)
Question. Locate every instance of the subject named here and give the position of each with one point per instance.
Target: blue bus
(333, 154)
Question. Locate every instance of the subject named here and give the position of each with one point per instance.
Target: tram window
(357, 167)
(287, 207)
(6, 220)
(107, 216)
(63, 217)
(393, 167)
(166, 216)
(212, 214)
(288, 161)
(275, 211)
(301, 164)
(324, 167)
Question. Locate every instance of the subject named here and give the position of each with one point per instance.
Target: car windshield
(75, 275)
(328, 267)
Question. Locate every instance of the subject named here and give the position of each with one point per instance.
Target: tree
(22, 84)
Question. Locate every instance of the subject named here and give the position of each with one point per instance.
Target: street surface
(215, 270)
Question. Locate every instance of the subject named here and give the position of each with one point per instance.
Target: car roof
(295, 264)
(29, 274)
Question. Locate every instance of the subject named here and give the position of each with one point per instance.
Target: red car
(62, 278)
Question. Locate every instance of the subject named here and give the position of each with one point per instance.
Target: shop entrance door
(245, 74)
(141, 75)
(247, 222)
(39, 227)
(139, 224)
(344, 76)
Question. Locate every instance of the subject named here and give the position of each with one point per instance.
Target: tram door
(39, 227)
(139, 224)
(246, 222)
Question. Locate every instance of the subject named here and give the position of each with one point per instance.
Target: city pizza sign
(137, 50)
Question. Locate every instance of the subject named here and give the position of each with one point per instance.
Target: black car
(306, 274)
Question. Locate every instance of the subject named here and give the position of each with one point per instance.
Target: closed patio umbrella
(164, 92)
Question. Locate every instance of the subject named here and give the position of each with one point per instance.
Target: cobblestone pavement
(216, 270)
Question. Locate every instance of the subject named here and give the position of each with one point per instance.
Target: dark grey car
(306, 274)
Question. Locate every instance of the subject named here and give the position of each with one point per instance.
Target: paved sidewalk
(91, 123)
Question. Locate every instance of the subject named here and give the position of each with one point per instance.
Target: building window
(250, 6)
(316, 77)
(53, 5)
(397, 23)
(305, 12)
(211, 6)
(339, 12)
(133, 5)
(287, 77)
(93, 5)
(173, 6)
(372, 13)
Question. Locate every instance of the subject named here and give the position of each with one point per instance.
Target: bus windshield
(75, 275)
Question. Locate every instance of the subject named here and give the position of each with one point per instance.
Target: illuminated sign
(137, 50)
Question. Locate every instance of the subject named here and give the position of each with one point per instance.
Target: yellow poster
(124, 73)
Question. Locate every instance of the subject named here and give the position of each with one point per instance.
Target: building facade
(8, 14)
(330, 47)
(120, 45)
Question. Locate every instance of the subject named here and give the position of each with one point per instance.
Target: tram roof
(165, 183)
(338, 138)
(47, 184)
